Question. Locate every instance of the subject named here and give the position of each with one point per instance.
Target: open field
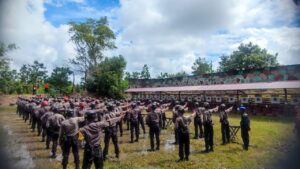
(270, 139)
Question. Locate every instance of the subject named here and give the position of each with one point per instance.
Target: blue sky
(63, 12)
(168, 35)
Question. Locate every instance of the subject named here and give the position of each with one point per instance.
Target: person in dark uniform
(44, 119)
(297, 121)
(224, 123)
(183, 134)
(134, 122)
(198, 121)
(53, 125)
(111, 132)
(174, 117)
(91, 133)
(152, 120)
(69, 138)
(141, 118)
(208, 127)
(120, 123)
(245, 127)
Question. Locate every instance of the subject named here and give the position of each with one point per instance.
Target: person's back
(71, 126)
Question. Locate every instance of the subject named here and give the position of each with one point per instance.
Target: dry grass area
(270, 138)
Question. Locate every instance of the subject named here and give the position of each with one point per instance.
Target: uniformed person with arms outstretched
(198, 121)
(183, 134)
(91, 133)
(69, 137)
(224, 123)
(208, 127)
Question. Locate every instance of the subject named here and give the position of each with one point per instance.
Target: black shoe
(186, 158)
(175, 143)
(136, 140)
(117, 156)
(157, 148)
(152, 149)
(195, 137)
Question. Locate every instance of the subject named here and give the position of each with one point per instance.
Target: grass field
(270, 139)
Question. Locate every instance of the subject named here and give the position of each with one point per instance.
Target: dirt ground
(6, 100)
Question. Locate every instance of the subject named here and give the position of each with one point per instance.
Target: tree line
(247, 56)
(105, 76)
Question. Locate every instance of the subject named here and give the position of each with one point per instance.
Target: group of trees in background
(30, 75)
(101, 75)
(144, 74)
(105, 76)
(247, 56)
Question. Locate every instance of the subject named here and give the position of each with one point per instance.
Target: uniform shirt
(182, 123)
(224, 117)
(45, 117)
(70, 127)
(40, 112)
(135, 114)
(245, 122)
(54, 122)
(91, 132)
(199, 112)
(110, 115)
(207, 115)
(152, 118)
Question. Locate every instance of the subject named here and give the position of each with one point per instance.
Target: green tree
(107, 78)
(136, 75)
(91, 39)
(248, 56)
(32, 74)
(201, 66)
(171, 75)
(145, 74)
(8, 77)
(59, 79)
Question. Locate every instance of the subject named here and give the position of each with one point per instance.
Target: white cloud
(167, 35)
(36, 38)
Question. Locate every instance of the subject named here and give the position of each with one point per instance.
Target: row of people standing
(63, 127)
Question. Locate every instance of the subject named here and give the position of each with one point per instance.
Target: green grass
(270, 137)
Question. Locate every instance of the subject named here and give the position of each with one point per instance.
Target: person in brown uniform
(53, 125)
(91, 134)
(69, 138)
(111, 132)
(183, 134)
(134, 122)
(152, 120)
(44, 119)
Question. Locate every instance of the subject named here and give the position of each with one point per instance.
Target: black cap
(205, 104)
(110, 106)
(90, 115)
(181, 109)
(223, 105)
(133, 105)
(70, 113)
